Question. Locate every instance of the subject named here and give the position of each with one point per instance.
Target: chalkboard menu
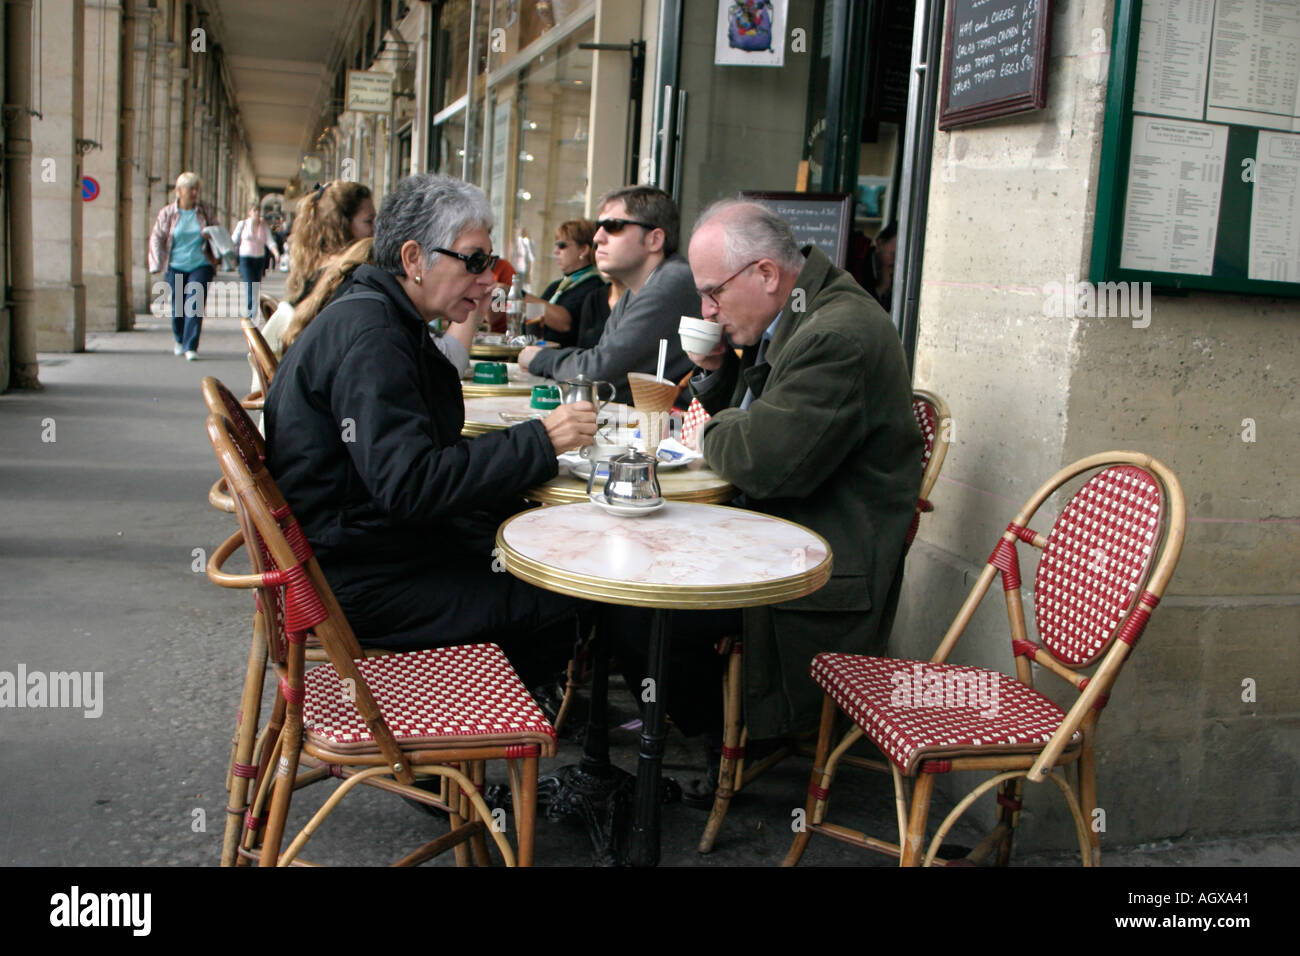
(819, 219)
(994, 59)
(1199, 181)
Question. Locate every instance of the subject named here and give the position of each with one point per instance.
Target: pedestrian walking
(178, 246)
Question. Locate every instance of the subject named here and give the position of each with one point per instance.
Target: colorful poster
(750, 33)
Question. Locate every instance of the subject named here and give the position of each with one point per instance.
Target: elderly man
(814, 424)
(363, 426)
(636, 244)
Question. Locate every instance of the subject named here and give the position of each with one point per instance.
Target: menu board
(818, 219)
(994, 59)
(1200, 170)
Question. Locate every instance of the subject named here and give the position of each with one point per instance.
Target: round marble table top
(683, 555)
(518, 382)
(484, 414)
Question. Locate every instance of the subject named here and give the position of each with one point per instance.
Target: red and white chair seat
(467, 695)
(891, 699)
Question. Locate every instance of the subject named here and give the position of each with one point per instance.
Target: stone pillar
(56, 180)
(99, 215)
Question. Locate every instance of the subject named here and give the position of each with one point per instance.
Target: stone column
(99, 215)
(56, 186)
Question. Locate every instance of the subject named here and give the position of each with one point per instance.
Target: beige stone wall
(1011, 208)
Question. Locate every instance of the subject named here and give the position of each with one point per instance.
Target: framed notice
(1199, 184)
(994, 59)
(818, 219)
(368, 92)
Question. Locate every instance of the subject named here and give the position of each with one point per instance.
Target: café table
(683, 555)
(692, 482)
(493, 347)
(483, 414)
(518, 382)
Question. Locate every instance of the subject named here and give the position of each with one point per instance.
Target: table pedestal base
(600, 800)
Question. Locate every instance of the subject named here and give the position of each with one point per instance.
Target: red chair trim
(1005, 559)
(246, 770)
(935, 766)
(1025, 649)
(1009, 802)
(1027, 535)
(733, 753)
(516, 751)
(291, 694)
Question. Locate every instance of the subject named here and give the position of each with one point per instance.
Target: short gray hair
(433, 211)
(752, 231)
(188, 179)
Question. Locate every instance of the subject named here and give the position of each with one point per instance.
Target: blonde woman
(177, 245)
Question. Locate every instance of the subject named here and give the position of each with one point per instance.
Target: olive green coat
(830, 442)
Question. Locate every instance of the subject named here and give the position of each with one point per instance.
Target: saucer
(624, 511)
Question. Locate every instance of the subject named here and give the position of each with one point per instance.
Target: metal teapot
(631, 480)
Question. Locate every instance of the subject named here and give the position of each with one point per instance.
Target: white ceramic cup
(698, 335)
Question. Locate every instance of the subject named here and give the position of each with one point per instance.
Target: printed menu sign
(995, 59)
(818, 219)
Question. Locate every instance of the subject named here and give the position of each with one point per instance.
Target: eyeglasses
(476, 262)
(561, 245)
(615, 226)
(712, 294)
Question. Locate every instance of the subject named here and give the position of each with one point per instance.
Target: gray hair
(187, 179)
(752, 231)
(433, 211)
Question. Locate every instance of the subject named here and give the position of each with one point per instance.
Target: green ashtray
(490, 373)
(545, 397)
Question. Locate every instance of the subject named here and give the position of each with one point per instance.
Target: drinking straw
(663, 354)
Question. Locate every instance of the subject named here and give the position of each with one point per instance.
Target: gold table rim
(698, 596)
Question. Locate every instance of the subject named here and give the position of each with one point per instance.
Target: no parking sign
(89, 188)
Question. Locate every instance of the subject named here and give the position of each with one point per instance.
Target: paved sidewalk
(105, 531)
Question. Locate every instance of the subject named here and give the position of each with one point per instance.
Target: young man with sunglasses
(636, 243)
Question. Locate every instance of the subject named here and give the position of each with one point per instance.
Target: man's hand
(526, 356)
(711, 362)
(571, 426)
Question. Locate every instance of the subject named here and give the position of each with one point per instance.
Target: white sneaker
(178, 349)
(191, 356)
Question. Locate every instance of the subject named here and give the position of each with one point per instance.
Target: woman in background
(253, 240)
(330, 218)
(177, 244)
(565, 297)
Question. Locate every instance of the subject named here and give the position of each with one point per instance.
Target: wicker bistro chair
(1104, 568)
(263, 361)
(221, 401)
(931, 414)
(379, 720)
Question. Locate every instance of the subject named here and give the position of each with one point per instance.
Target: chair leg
(1087, 771)
(730, 768)
(526, 811)
(921, 793)
(1009, 815)
(477, 772)
(456, 819)
(286, 772)
(815, 784)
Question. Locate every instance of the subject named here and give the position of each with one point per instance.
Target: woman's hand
(571, 426)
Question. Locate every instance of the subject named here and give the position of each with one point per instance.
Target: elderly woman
(363, 426)
(253, 240)
(178, 245)
(564, 298)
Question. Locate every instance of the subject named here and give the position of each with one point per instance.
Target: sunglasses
(561, 245)
(615, 226)
(476, 262)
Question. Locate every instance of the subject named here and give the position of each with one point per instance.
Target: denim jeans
(251, 269)
(189, 291)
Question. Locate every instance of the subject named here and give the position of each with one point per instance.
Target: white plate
(624, 511)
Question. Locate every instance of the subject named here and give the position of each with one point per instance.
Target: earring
(418, 280)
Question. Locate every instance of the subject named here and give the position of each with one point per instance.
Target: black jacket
(363, 436)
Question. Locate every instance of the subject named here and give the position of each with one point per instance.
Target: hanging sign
(368, 92)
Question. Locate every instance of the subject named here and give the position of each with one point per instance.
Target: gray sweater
(630, 342)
